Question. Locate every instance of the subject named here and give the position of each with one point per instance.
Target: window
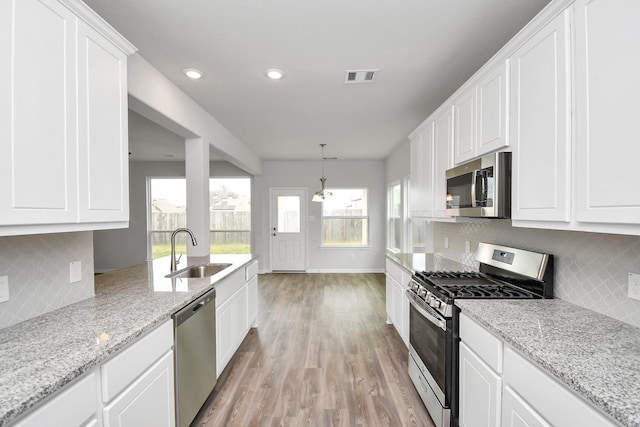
(345, 220)
(396, 215)
(230, 215)
(167, 211)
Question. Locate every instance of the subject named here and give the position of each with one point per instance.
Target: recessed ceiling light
(274, 73)
(192, 73)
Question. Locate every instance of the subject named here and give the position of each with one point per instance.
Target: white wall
(339, 174)
(398, 164)
(114, 249)
(38, 271)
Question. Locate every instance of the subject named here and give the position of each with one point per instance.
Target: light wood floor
(322, 355)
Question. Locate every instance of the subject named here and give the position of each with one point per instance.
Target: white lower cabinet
(517, 413)
(500, 387)
(480, 391)
(149, 401)
(233, 297)
(396, 300)
(73, 406)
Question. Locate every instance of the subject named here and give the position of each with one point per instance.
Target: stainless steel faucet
(173, 245)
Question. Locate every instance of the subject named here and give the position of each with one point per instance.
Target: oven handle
(431, 317)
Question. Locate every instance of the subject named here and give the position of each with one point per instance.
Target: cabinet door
(442, 159)
(517, 413)
(492, 110)
(252, 301)
(404, 315)
(607, 91)
(420, 193)
(389, 291)
(540, 125)
(480, 391)
(225, 334)
(465, 125)
(149, 401)
(241, 319)
(102, 140)
(37, 113)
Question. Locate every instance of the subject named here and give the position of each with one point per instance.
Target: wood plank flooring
(322, 355)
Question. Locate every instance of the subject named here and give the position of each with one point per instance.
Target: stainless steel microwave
(480, 188)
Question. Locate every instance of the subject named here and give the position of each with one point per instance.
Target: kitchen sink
(198, 271)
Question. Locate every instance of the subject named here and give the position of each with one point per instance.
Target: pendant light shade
(321, 195)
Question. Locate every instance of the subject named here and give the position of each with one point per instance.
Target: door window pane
(288, 214)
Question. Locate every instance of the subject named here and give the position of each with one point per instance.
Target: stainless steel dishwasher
(195, 356)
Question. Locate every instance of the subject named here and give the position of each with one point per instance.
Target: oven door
(431, 359)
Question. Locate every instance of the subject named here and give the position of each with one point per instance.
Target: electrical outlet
(446, 243)
(75, 271)
(467, 246)
(634, 286)
(4, 288)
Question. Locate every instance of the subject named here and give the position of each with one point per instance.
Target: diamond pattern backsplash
(591, 269)
(38, 271)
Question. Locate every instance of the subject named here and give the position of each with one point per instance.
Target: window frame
(150, 233)
(364, 217)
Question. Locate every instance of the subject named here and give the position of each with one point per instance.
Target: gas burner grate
(475, 291)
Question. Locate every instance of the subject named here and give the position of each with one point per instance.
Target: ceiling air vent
(360, 76)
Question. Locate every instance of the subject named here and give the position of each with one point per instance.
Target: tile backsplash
(591, 269)
(38, 271)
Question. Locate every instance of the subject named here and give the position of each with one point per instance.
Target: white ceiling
(424, 49)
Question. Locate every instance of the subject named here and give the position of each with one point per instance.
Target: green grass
(164, 250)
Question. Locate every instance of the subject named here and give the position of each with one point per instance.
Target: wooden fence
(227, 227)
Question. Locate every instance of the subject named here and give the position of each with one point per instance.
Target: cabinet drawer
(482, 342)
(557, 404)
(71, 407)
(251, 270)
(123, 369)
(394, 271)
(229, 286)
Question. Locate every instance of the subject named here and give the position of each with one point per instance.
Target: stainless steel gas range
(433, 317)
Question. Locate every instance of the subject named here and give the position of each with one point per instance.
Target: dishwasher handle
(192, 308)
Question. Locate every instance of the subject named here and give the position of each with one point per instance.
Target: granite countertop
(41, 355)
(595, 355)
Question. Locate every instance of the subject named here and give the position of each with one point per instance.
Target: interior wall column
(197, 173)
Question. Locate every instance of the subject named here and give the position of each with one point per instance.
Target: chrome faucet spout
(173, 245)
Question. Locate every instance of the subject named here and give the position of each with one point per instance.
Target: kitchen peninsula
(42, 355)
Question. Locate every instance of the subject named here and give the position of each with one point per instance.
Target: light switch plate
(4, 288)
(75, 271)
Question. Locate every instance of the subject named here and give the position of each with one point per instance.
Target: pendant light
(322, 194)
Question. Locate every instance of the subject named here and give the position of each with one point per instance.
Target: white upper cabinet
(540, 125)
(37, 113)
(421, 185)
(607, 91)
(493, 105)
(481, 114)
(442, 158)
(103, 145)
(63, 119)
(465, 125)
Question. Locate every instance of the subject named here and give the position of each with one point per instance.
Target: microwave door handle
(474, 181)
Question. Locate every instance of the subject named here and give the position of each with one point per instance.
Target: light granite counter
(41, 355)
(596, 356)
